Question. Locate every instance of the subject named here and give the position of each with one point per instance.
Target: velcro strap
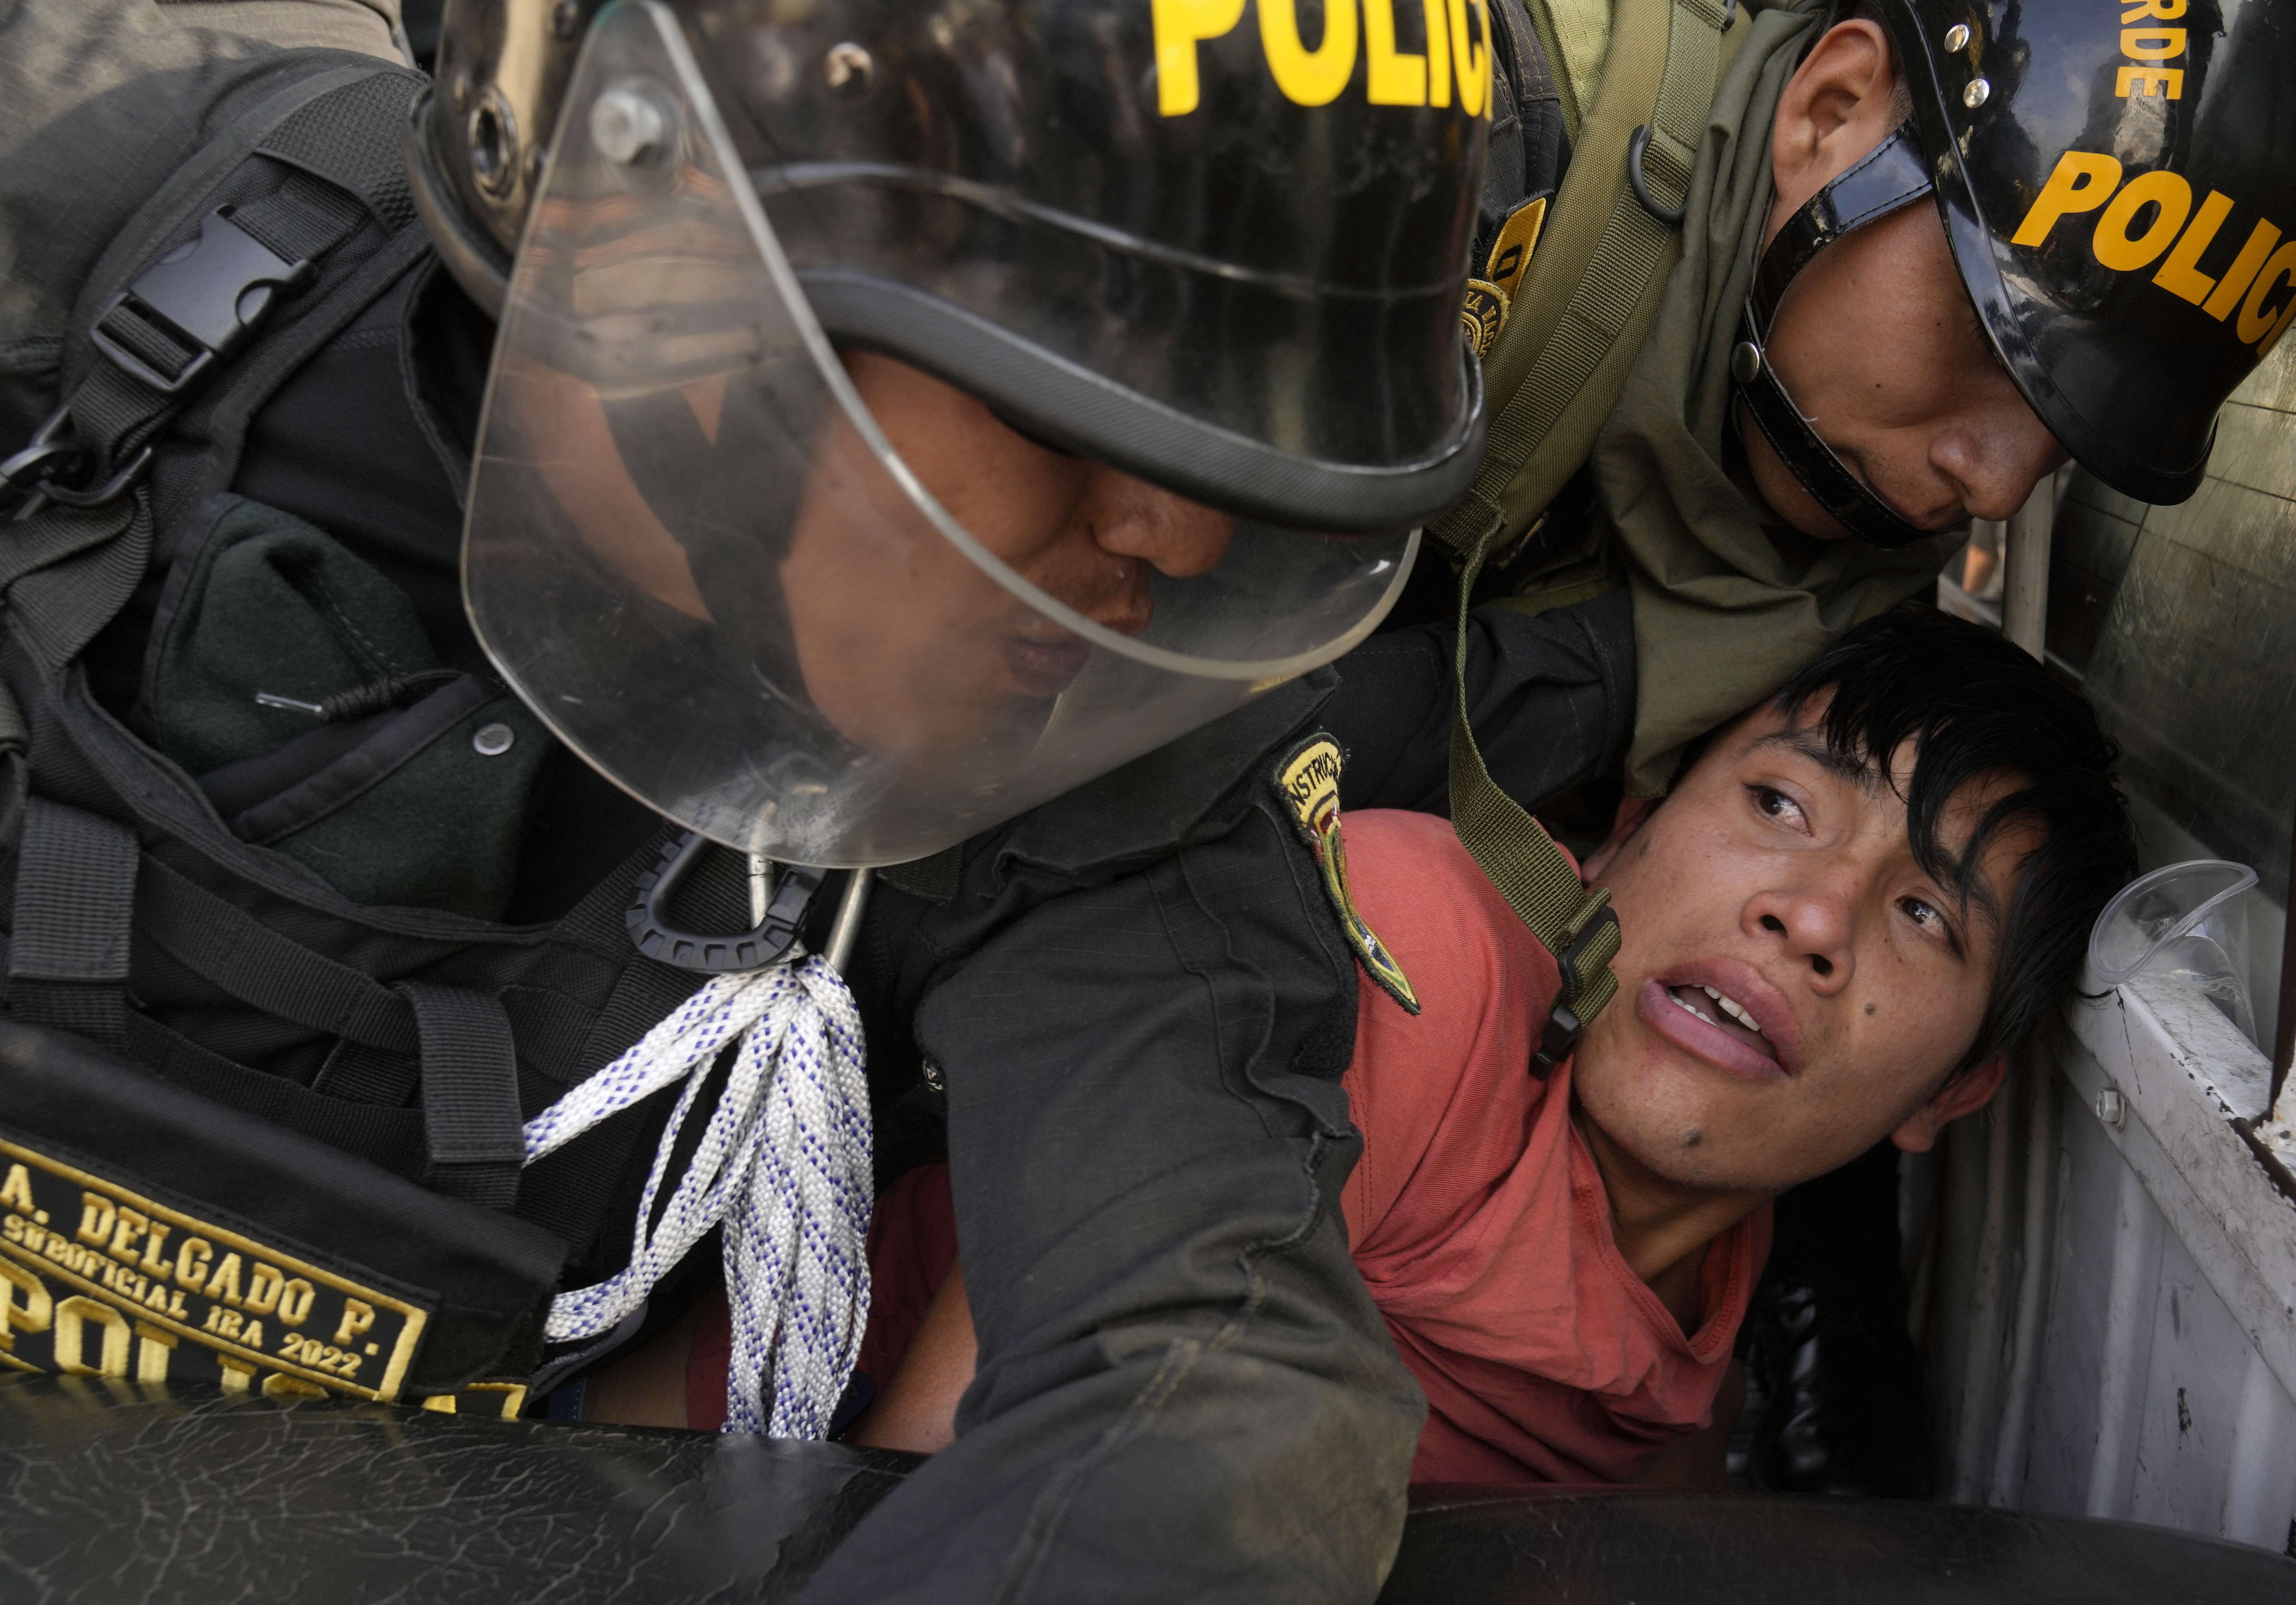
(75, 907)
(472, 1128)
(225, 944)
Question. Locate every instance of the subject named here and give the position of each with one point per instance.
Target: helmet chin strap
(1891, 175)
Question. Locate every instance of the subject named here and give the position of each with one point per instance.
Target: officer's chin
(1785, 493)
(1790, 500)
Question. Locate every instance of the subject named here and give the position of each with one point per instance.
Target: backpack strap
(1586, 303)
(1576, 37)
(243, 231)
(251, 256)
(1593, 287)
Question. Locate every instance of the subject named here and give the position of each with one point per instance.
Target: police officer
(1901, 277)
(1774, 305)
(898, 436)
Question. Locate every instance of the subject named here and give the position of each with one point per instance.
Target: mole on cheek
(1693, 1138)
(1869, 1008)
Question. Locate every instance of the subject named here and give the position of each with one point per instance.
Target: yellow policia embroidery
(97, 1281)
(1458, 51)
(1307, 783)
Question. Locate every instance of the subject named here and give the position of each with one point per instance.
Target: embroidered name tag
(1308, 783)
(101, 1281)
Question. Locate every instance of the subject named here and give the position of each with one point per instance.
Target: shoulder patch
(1511, 251)
(1484, 312)
(1308, 788)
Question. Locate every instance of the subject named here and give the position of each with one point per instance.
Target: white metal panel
(2098, 1343)
(2110, 1305)
(2185, 1071)
(2190, 1414)
(2159, 1302)
(2260, 1496)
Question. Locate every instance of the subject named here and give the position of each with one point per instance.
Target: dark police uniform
(1137, 1001)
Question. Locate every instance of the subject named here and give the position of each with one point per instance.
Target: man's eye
(1931, 919)
(1775, 804)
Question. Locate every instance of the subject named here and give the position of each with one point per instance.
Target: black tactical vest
(267, 1053)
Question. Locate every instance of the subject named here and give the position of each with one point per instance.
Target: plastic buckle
(1559, 1039)
(647, 917)
(207, 295)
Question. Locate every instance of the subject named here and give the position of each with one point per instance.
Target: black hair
(1973, 706)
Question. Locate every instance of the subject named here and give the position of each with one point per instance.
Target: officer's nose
(1131, 518)
(1995, 449)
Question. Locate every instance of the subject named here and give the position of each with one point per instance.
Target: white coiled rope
(783, 1163)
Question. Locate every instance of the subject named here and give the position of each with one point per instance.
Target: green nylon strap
(1532, 873)
(1593, 289)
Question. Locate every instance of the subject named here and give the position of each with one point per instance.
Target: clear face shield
(826, 610)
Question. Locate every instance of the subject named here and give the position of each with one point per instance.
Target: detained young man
(1855, 902)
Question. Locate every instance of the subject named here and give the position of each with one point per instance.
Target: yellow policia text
(97, 1281)
(1455, 34)
(2147, 48)
(2252, 280)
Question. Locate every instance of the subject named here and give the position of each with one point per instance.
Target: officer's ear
(1837, 107)
(1632, 812)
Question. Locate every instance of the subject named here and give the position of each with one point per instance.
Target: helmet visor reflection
(823, 609)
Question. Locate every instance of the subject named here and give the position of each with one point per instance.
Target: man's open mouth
(1708, 1022)
(1721, 1011)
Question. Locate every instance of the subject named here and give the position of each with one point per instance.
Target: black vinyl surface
(106, 1494)
(1477, 1547)
(112, 1494)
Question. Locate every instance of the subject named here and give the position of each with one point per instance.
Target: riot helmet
(2116, 183)
(1170, 251)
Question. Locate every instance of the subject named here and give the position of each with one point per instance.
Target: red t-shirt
(1476, 1214)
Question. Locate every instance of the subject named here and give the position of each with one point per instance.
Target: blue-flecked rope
(783, 1163)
